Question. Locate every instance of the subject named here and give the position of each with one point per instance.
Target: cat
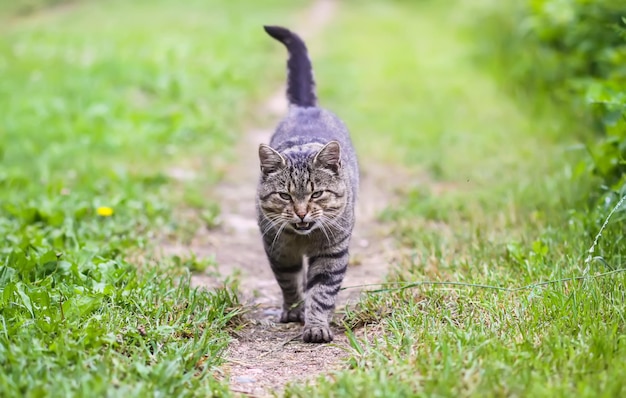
(306, 198)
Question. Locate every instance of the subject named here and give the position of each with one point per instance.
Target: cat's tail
(300, 82)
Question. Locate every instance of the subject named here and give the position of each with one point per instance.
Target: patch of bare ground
(35, 13)
(266, 355)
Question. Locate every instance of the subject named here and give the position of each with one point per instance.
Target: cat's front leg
(289, 278)
(324, 277)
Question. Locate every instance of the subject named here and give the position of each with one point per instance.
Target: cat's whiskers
(334, 223)
(269, 222)
(280, 230)
(269, 228)
(323, 229)
(317, 216)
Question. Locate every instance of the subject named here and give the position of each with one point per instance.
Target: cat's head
(303, 188)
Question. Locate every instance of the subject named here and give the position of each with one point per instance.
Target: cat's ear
(329, 157)
(271, 160)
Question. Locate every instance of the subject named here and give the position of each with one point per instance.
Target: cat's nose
(301, 214)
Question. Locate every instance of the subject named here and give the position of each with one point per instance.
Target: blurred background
(95, 87)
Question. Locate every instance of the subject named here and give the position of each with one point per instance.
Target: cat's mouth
(303, 226)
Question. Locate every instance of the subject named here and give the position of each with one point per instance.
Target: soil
(266, 355)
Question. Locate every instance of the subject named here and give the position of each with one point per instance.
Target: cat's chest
(300, 245)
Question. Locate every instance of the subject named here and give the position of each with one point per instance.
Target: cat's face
(302, 189)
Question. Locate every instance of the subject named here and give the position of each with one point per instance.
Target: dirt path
(267, 355)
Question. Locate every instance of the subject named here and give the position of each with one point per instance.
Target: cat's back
(312, 125)
(306, 125)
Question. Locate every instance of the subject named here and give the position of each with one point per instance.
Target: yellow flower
(104, 211)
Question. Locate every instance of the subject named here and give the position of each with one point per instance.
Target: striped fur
(306, 196)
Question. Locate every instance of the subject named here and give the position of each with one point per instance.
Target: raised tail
(300, 82)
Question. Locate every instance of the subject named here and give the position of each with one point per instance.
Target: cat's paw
(292, 315)
(317, 334)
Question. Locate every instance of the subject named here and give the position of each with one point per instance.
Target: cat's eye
(316, 194)
(285, 196)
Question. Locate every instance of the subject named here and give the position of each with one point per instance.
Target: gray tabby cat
(306, 196)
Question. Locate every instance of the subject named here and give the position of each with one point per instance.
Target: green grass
(101, 100)
(499, 198)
